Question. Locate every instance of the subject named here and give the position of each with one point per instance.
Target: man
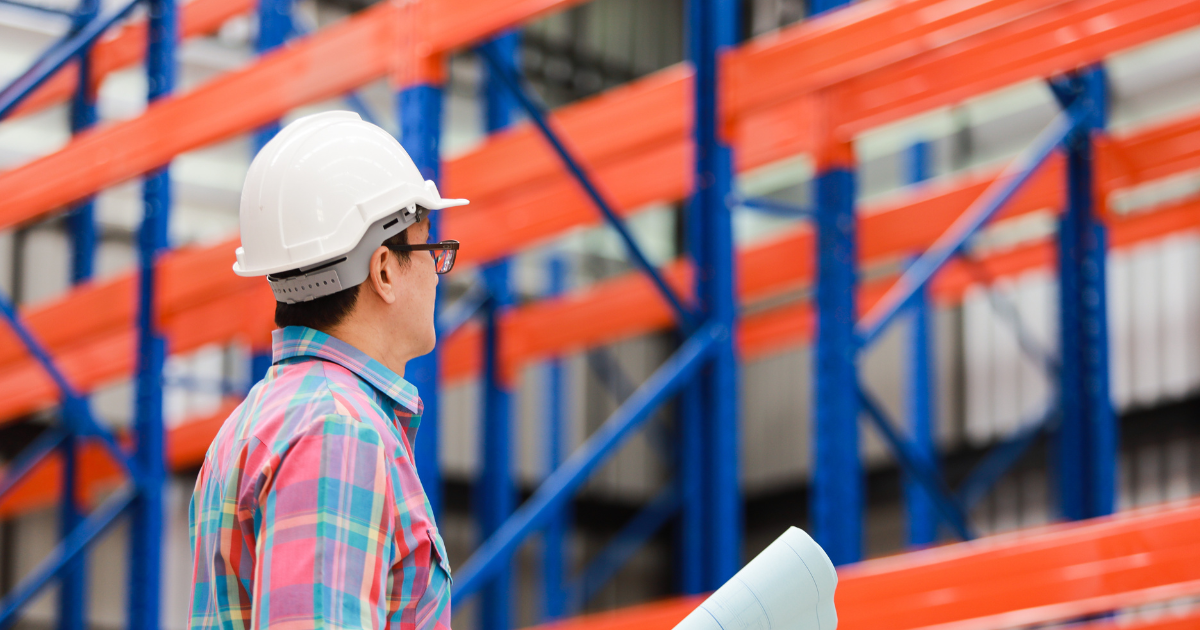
(308, 512)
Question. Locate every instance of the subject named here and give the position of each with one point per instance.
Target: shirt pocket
(438, 549)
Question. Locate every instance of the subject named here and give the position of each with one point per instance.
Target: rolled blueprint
(789, 586)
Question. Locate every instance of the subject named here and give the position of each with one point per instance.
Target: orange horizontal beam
(126, 46)
(818, 54)
(42, 487)
(925, 56)
(187, 277)
(326, 64)
(25, 388)
(1029, 578)
(446, 25)
(239, 100)
(1039, 44)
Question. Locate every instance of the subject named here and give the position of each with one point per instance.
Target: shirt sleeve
(324, 541)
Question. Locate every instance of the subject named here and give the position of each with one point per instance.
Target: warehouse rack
(809, 89)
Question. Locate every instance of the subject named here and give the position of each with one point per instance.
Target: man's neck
(374, 341)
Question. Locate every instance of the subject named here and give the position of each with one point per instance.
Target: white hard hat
(320, 197)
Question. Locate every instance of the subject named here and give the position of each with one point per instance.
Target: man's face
(418, 286)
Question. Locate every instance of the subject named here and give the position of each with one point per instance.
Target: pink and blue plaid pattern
(308, 513)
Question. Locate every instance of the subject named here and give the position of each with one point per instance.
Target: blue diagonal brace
(75, 410)
(55, 57)
(29, 458)
(910, 459)
(968, 224)
(773, 207)
(66, 551)
(537, 113)
(40, 8)
(550, 497)
(1007, 311)
(640, 529)
(1002, 457)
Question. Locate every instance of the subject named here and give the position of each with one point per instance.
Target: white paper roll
(789, 586)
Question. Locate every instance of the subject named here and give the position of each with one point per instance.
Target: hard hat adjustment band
(306, 287)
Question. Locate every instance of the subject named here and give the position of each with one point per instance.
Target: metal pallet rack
(811, 89)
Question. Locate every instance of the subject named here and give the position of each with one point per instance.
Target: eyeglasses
(443, 253)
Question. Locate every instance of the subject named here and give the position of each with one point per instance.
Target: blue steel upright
(81, 221)
(274, 26)
(837, 476)
(496, 494)
(692, 528)
(1086, 442)
(420, 116)
(919, 506)
(712, 28)
(836, 503)
(554, 539)
(146, 526)
(81, 224)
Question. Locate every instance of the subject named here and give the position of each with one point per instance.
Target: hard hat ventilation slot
(390, 223)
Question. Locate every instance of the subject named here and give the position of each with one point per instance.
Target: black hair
(326, 312)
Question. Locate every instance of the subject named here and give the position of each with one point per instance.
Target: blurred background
(972, 373)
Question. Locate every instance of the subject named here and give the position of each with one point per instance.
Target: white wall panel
(977, 361)
(45, 272)
(1120, 317)
(1145, 297)
(1036, 304)
(1149, 487)
(1006, 367)
(1006, 386)
(458, 439)
(1180, 363)
(777, 404)
(1124, 481)
(1178, 464)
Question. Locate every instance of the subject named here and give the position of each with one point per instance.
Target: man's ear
(383, 274)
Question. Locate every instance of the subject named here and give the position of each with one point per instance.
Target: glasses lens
(443, 260)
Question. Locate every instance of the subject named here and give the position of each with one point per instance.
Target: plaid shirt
(308, 512)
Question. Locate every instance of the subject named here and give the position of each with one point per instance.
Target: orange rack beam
(42, 487)
(127, 46)
(448, 24)
(1034, 577)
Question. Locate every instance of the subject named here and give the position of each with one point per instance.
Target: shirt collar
(300, 341)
